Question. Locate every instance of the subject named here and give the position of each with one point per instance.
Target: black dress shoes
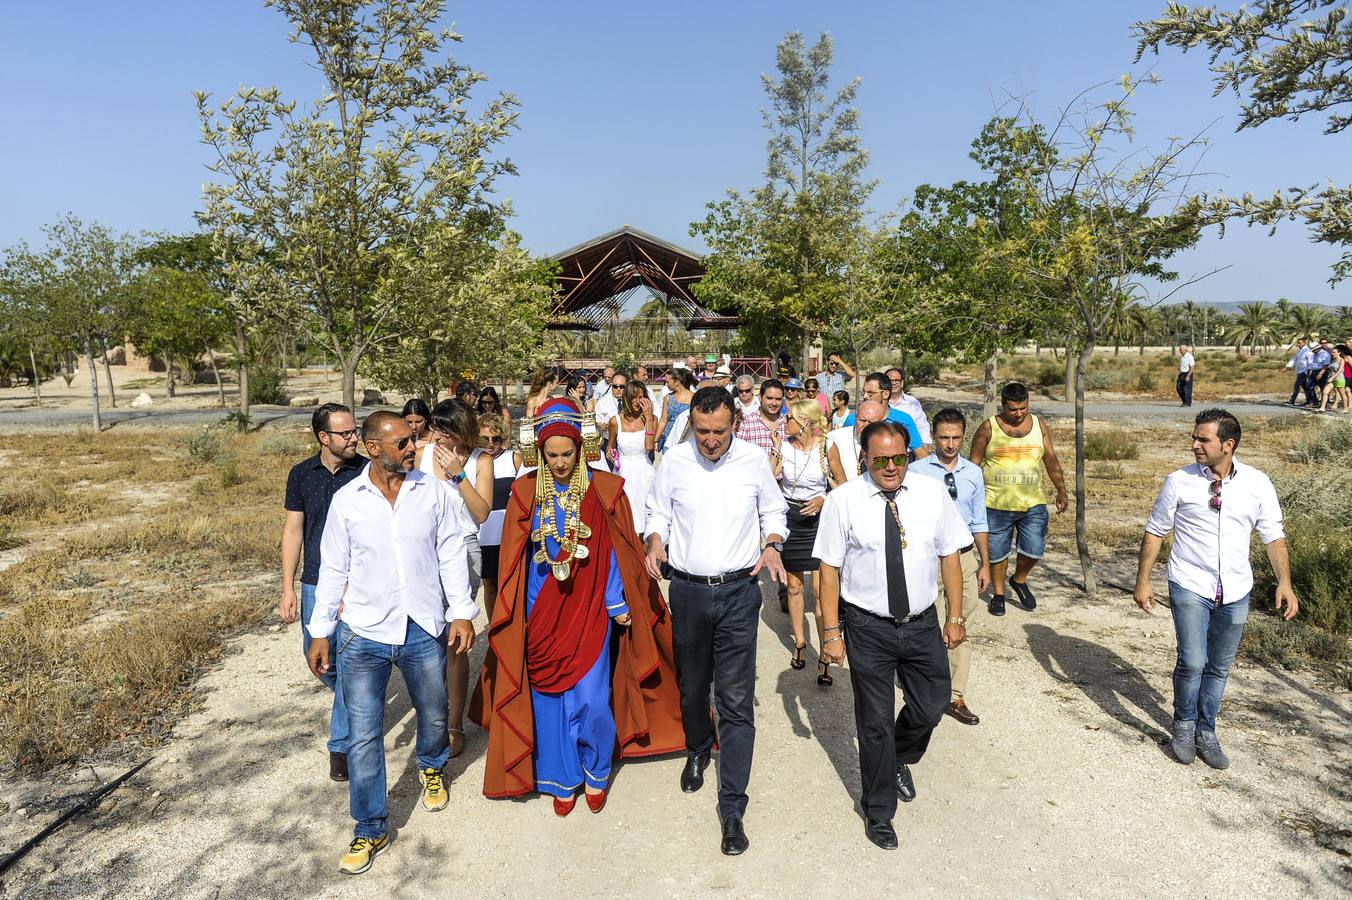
(1026, 597)
(734, 838)
(881, 833)
(692, 776)
(997, 604)
(337, 766)
(905, 786)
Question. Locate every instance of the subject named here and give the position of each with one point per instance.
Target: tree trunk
(169, 375)
(215, 372)
(807, 350)
(349, 364)
(1081, 526)
(905, 364)
(1143, 344)
(988, 385)
(108, 370)
(37, 379)
(93, 383)
(1037, 349)
(242, 367)
(1071, 383)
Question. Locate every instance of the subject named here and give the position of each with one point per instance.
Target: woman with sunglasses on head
(633, 438)
(680, 388)
(545, 382)
(805, 478)
(812, 392)
(416, 414)
(489, 404)
(455, 456)
(506, 466)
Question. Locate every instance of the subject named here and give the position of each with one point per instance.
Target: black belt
(968, 549)
(902, 621)
(725, 578)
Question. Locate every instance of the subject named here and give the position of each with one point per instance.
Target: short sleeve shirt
(309, 489)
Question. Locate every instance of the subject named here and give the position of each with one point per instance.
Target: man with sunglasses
(744, 396)
(309, 489)
(883, 541)
(608, 407)
(835, 376)
(962, 479)
(1212, 507)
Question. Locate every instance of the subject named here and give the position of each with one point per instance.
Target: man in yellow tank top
(1011, 449)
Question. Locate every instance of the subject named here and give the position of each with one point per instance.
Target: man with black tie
(880, 540)
(713, 504)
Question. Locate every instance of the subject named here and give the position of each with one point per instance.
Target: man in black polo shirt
(309, 488)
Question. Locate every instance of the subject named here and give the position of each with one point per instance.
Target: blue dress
(674, 410)
(574, 730)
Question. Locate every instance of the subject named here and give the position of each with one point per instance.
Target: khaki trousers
(960, 657)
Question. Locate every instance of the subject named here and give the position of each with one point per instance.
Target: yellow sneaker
(359, 854)
(434, 793)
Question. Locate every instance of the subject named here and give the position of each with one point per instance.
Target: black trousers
(714, 629)
(879, 651)
(1184, 388)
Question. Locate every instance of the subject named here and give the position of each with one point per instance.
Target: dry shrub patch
(1111, 445)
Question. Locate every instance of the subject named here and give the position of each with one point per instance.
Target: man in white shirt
(842, 444)
(393, 554)
(908, 404)
(883, 541)
(1187, 366)
(602, 387)
(1302, 362)
(1212, 507)
(745, 395)
(713, 501)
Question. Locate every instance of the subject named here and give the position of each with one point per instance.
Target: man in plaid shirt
(760, 427)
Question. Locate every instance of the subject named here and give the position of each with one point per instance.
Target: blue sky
(633, 113)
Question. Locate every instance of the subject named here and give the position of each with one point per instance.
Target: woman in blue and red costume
(580, 657)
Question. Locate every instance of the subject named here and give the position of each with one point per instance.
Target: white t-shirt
(1186, 363)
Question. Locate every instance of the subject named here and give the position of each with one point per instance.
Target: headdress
(560, 417)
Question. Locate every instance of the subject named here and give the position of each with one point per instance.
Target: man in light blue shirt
(1302, 363)
(876, 388)
(1320, 367)
(966, 486)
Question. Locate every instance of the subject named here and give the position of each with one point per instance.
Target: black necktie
(898, 600)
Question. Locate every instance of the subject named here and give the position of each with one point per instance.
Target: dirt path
(1063, 789)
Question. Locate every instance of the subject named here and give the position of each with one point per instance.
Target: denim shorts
(1032, 528)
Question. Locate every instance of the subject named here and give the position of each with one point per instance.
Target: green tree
(177, 317)
(1143, 323)
(778, 254)
(1255, 323)
(1305, 321)
(1282, 59)
(317, 210)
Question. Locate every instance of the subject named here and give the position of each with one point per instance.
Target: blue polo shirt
(309, 489)
(971, 487)
(902, 419)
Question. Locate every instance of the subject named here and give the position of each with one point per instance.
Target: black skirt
(490, 563)
(797, 554)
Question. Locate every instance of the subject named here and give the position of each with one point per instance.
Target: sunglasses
(880, 462)
(952, 484)
(347, 435)
(745, 391)
(1215, 489)
(619, 387)
(401, 444)
(493, 439)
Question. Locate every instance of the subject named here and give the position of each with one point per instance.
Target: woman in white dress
(633, 438)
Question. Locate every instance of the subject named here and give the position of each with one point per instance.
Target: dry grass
(103, 628)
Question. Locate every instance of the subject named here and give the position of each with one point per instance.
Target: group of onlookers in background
(1323, 373)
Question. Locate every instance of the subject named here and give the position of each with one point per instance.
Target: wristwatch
(777, 546)
(456, 479)
(957, 620)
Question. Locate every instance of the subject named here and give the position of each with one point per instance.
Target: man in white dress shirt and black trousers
(1212, 507)
(393, 554)
(880, 541)
(713, 503)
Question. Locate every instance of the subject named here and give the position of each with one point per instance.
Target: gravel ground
(1064, 789)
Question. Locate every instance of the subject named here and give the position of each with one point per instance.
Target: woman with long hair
(800, 465)
(557, 695)
(489, 404)
(541, 386)
(575, 389)
(417, 415)
(455, 456)
(506, 466)
(680, 388)
(840, 408)
(633, 438)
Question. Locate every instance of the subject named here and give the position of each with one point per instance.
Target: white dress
(637, 473)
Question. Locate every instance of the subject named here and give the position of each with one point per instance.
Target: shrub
(206, 445)
(922, 368)
(1145, 382)
(278, 444)
(1111, 445)
(9, 538)
(1270, 641)
(1107, 379)
(1333, 441)
(236, 421)
(1050, 374)
(1108, 471)
(1321, 558)
(230, 474)
(267, 385)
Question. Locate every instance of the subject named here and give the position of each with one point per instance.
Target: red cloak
(644, 695)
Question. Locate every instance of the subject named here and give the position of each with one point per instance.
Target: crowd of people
(1323, 373)
(569, 520)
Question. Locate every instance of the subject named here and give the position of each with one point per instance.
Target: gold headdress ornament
(560, 417)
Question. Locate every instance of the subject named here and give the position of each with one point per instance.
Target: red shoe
(563, 807)
(596, 802)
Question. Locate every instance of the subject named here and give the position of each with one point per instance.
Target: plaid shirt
(755, 431)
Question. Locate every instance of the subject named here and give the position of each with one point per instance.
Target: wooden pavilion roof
(597, 276)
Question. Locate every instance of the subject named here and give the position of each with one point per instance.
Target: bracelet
(831, 640)
(832, 628)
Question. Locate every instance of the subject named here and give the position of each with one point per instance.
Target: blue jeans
(1031, 524)
(364, 673)
(338, 715)
(1208, 637)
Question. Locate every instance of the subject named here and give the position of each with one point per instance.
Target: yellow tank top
(1013, 469)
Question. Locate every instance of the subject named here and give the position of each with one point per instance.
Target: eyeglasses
(493, 439)
(619, 387)
(952, 484)
(347, 435)
(1215, 489)
(895, 380)
(401, 444)
(880, 462)
(745, 391)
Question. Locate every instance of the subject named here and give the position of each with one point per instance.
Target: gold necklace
(574, 529)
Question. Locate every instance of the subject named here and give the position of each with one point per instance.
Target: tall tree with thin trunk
(313, 208)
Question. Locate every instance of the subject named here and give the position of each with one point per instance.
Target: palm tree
(1343, 317)
(1171, 323)
(1255, 323)
(1305, 321)
(1190, 313)
(1118, 322)
(1142, 322)
(1284, 309)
